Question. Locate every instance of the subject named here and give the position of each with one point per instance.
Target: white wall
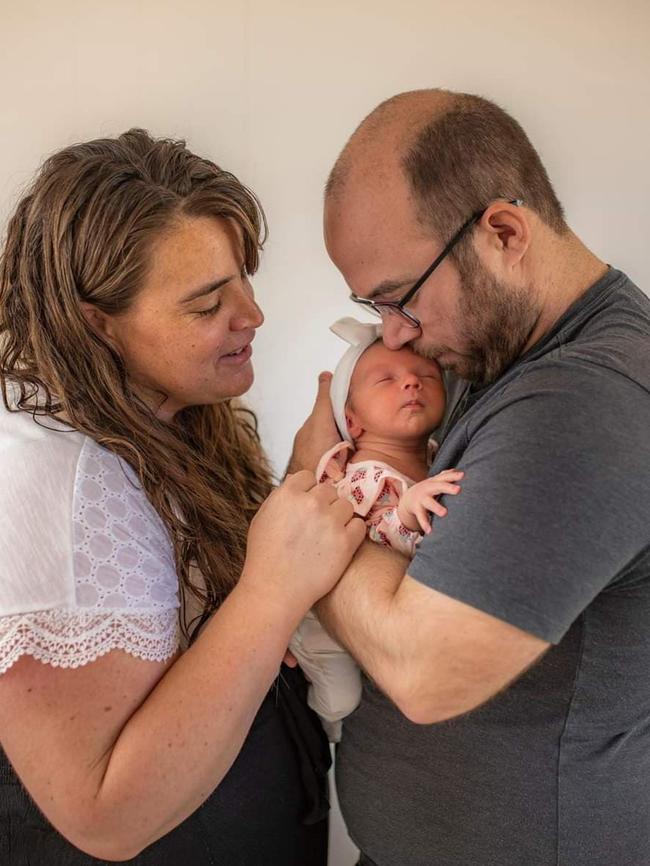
(271, 90)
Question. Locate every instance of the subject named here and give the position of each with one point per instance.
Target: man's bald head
(457, 153)
(382, 137)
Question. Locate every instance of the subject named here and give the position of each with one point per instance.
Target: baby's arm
(416, 503)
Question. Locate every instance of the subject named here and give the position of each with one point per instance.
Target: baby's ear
(353, 425)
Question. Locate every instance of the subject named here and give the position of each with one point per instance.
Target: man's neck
(569, 269)
(408, 457)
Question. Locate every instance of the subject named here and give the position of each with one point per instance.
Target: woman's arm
(120, 751)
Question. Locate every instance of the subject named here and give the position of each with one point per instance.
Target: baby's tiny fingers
(436, 507)
(444, 487)
(423, 519)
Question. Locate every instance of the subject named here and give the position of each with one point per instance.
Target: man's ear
(506, 232)
(100, 322)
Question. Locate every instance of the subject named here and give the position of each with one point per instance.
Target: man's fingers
(323, 392)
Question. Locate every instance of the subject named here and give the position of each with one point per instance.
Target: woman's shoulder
(27, 435)
(78, 530)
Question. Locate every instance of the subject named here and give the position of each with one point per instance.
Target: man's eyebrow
(388, 287)
(207, 289)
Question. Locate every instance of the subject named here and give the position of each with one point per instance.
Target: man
(506, 715)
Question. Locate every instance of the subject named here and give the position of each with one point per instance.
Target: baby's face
(397, 394)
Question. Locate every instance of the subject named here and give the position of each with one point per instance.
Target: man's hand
(318, 433)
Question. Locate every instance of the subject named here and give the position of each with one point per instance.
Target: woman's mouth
(238, 356)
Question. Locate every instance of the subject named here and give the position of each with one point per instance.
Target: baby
(386, 405)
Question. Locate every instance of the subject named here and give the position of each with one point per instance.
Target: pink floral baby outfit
(374, 489)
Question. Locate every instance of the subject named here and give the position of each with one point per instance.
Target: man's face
(471, 322)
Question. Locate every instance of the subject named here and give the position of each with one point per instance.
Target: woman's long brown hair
(84, 233)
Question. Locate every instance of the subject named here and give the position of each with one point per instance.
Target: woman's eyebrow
(206, 289)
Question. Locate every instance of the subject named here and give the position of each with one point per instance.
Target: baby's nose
(412, 381)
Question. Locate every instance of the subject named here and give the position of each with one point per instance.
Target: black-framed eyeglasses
(386, 308)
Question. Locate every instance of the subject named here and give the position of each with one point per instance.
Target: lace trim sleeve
(72, 638)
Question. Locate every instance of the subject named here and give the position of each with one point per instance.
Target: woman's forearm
(118, 752)
(183, 739)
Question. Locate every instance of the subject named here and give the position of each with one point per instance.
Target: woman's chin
(236, 386)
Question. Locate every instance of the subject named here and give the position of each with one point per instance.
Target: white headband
(360, 335)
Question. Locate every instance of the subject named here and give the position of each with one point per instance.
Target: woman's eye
(210, 311)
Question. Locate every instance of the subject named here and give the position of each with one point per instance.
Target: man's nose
(395, 333)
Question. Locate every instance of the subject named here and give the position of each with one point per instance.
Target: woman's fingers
(302, 480)
(343, 507)
(355, 531)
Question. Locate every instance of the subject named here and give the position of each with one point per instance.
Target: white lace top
(86, 564)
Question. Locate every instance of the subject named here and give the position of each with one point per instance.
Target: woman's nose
(247, 313)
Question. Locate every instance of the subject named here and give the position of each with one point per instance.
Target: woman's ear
(100, 322)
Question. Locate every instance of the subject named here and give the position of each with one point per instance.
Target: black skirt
(269, 810)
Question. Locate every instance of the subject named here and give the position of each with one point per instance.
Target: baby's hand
(418, 500)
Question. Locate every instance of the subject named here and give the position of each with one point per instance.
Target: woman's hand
(318, 434)
(415, 505)
(301, 541)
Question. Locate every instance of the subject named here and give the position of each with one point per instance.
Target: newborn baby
(386, 404)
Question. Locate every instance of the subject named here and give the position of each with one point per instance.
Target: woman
(130, 479)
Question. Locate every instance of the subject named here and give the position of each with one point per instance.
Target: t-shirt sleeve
(554, 501)
(95, 574)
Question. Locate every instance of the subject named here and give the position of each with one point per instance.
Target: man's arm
(433, 656)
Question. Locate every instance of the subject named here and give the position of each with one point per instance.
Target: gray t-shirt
(552, 534)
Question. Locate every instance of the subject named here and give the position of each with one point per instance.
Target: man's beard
(494, 324)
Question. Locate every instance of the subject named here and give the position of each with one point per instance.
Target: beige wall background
(271, 90)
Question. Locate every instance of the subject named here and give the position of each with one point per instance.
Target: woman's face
(188, 333)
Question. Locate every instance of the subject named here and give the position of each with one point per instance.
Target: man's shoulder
(578, 389)
(604, 343)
